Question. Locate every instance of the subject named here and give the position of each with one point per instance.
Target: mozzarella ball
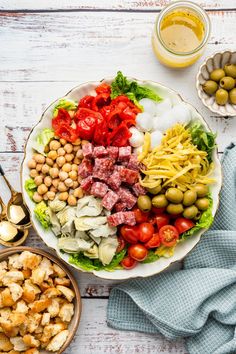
(164, 122)
(149, 106)
(182, 113)
(163, 107)
(156, 138)
(144, 122)
(137, 137)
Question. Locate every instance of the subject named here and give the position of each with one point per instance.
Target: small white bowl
(216, 61)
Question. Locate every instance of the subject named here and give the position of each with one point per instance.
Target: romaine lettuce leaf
(42, 214)
(65, 103)
(42, 140)
(152, 257)
(30, 187)
(204, 140)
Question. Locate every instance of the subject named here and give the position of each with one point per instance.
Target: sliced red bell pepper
(62, 118)
(103, 88)
(114, 119)
(128, 114)
(86, 127)
(101, 100)
(86, 102)
(119, 137)
(67, 133)
(101, 133)
(105, 111)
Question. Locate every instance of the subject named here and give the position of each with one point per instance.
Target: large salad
(122, 176)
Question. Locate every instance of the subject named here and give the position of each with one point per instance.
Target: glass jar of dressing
(180, 34)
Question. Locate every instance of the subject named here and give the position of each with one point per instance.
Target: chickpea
(63, 175)
(51, 195)
(74, 167)
(66, 167)
(55, 182)
(76, 161)
(39, 167)
(79, 179)
(39, 158)
(72, 200)
(55, 165)
(79, 154)
(76, 148)
(75, 184)
(45, 169)
(61, 152)
(42, 189)
(34, 173)
(46, 149)
(62, 187)
(48, 181)
(45, 196)
(84, 142)
(54, 172)
(69, 157)
(78, 193)
(54, 145)
(68, 182)
(63, 141)
(68, 148)
(53, 189)
(49, 161)
(77, 142)
(73, 175)
(52, 154)
(38, 180)
(61, 161)
(63, 196)
(37, 197)
(31, 163)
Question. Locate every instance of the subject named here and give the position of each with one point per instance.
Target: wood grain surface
(48, 47)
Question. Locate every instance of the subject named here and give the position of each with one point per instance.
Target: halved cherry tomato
(130, 233)
(162, 220)
(146, 231)
(67, 133)
(128, 262)
(121, 244)
(140, 216)
(168, 235)
(62, 118)
(158, 210)
(183, 224)
(138, 252)
(154, 242)
(103, 88)
(86, 102)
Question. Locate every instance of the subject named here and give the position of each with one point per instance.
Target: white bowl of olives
(216, 83)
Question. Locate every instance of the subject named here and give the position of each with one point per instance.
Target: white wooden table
(48, 47)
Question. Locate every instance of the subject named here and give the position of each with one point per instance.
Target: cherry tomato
(146, 230)
(162, 220)
(154, 242)
(183, 224)
(138, 252)
(168, 235)
(140, 215)
(121, 244)
(128, 262)
(130, 233)
(158, 210)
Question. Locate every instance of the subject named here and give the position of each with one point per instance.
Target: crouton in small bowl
(40, 302)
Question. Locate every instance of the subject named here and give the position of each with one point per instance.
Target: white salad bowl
(141, 270)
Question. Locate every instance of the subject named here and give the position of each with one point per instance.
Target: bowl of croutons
(40, 302)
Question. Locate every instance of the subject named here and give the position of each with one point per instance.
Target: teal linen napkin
(198, 302)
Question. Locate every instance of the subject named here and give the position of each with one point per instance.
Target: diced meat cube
(114, 181)
(118, 168)
(138, 189)
(99, 189)
(129, 176)
(85, 169)
(110, 200)
(99, 151)
(120, 206)
(103, 168)
(113, 152)
(127, 197)
(87, 150)
(86, 183)
(116, 219)
(124, 153)
(133, 163)
(129, 217)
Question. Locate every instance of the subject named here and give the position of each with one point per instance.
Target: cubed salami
(103, 168)
(127, 197)
(129, 218)
(133, 163)
(86, 183)
(120, 206)
(87, 150)
(113, 152)
(138, 189)
(114, 181)
(124, 153)
(85, 169)
(110, 200)
(116, 219)
(129, 176)
(99, 189)
(99, 151)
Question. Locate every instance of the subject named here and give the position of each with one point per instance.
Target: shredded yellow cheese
(176, 161)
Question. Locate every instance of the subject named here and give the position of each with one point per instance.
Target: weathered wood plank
(115, 5)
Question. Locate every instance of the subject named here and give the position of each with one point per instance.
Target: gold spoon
(16, 199)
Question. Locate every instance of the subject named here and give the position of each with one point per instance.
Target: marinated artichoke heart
(74, 245)
(107, 249)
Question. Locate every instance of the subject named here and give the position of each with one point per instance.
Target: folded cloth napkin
(198, 302)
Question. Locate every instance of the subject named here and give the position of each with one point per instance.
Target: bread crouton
(33, 321)
(19, 344)
(32, 351)
(8, 328)
(58, 271)
(52, 292)
(45, 319)
(40, 305)
(38, 276)
(52, 329)
(21, 307)
(5, 312)
(17, 318)
(54, 308)
(30, 260)
(46, 265)
(68, 293)
(30, 291)
(14, 261)
(27, 273)
(30, 341)
(62, 281)
(13, 276)
(3, 265)
(16, 291)
(6, 298)
(66, 312)
(5, 344)
(57, 342)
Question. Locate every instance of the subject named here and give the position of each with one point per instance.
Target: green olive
(227, 83)
(159, 201)
(217, 74)
(230, 70)
(221, 97)
(210, 87)
(190, 212)
(175, 209)
(144, 203)
(201, 190)
(190, 197)
(232, 96)
(174, 195)
(154, 190)
(202, 203)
